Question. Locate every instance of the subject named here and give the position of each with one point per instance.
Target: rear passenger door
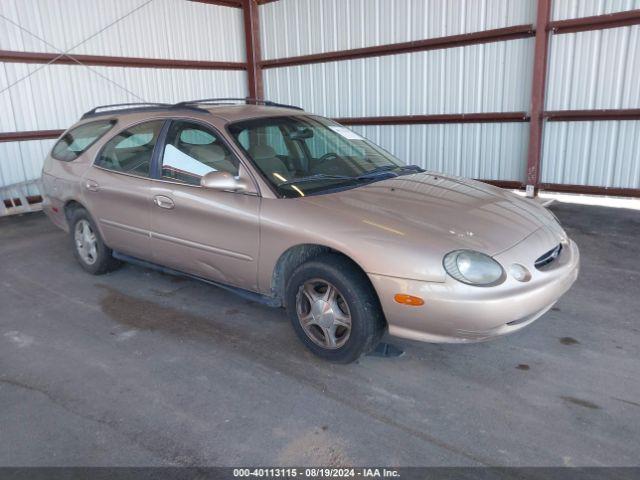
(209, 233)
(117, 191)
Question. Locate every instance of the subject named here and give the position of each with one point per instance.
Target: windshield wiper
(317, 176)
(378, 171)
(370, 175)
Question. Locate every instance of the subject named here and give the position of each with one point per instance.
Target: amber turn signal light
(405, 299)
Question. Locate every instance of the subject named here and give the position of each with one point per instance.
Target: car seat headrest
(262, 152)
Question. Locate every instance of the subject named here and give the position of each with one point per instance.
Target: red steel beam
(231, 3)
(596, 22)
(223, 3)
(487, 36)
(510, 184)
(565, 188)
(591, 190)
(537, 93)
(494, 117)
(592, 115)
(107, 61)
(252, 44)
(29, 135)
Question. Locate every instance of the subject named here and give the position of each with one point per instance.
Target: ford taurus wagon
(301, 212)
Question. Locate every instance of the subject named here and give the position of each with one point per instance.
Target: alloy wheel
(323, 313)
(86, 242)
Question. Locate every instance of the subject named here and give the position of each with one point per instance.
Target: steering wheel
(327, 156)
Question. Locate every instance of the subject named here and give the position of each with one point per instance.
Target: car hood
(430, 214)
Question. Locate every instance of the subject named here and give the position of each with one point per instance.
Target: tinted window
(78, 140)
(192, 151)
(131, 150)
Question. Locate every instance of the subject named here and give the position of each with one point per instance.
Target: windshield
(307, 155)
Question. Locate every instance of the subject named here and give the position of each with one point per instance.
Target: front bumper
(457, 313)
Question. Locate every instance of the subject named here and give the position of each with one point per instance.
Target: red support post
(252, 43)
(537, 97)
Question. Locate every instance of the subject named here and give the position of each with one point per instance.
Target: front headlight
(473, 268)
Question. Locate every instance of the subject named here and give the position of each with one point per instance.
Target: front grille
(548, 257)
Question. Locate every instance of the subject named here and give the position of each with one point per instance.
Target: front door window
(192, 151)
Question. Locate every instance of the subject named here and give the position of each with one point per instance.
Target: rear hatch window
(76, 141)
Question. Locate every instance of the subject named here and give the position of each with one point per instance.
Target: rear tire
(88, 247)
(333, 308)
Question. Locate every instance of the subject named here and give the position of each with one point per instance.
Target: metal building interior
(536, 96)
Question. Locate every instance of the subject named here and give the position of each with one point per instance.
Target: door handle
(163, 202)
(92, 185)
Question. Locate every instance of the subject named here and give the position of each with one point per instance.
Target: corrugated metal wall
(485, 151)
(173, 29)
(593, 70)
(596, 69)
(21, 163)
(588, 70)
(300, 27)
(603, 154)
(493, 77)
(55, 96)
(566, 9)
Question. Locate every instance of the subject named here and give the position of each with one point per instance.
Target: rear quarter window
(76, 141)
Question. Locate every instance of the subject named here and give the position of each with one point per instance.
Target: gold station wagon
(301, 212)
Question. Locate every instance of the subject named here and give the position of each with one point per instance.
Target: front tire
(333, 308)
(88, 247)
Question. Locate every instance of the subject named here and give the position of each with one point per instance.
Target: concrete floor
(140, 368)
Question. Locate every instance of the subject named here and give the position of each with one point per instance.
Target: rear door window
(131, 150)
(76, 141)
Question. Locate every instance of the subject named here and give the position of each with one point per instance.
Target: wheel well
(296, 256)
(70, 207)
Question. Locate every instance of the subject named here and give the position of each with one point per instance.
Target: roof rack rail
(189, 104)
(247, 100)
(131, 106)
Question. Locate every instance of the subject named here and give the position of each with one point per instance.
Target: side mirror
(224, 181)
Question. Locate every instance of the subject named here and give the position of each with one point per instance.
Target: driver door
(204, 232)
